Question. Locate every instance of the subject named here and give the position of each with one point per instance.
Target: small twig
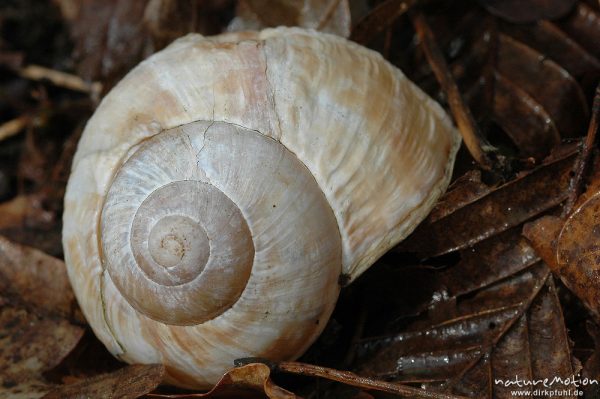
(585, 156)
(479, 148)
(350, 378)
(61, 79)
(13, 127)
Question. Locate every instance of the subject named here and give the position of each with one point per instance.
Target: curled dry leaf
(331, 16)
(249, 381)
(127, 383)
(523, 11)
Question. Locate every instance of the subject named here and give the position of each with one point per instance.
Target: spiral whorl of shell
(194, 208)
(225, 184)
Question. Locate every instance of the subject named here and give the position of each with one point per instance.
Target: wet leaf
(529, 126)
(332, 16)
(558, 93)
(500, 209)
(548, 39)
(584, 27)
(127, 383)
(468, 351)
(484, 309)
(512, 358)
(548, 341)
(473, 326)
(522, 11)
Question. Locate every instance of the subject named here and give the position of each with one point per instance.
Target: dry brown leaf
(166, 20)
(578, 253)
(35, 298)
(129, 382)
(36, 280)
(250, 381)
(109, 36)
(30, 345)
(542, 234)
(113, 36)
(378, 19)
(331, 16)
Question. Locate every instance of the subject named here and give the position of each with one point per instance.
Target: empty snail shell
(225, 184)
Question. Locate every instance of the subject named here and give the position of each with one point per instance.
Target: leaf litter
(464, 302)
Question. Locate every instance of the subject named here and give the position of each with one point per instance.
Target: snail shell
(225, 184)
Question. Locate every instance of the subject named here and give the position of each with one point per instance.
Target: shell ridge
(105, 318)
(394, 236)
(271, 98)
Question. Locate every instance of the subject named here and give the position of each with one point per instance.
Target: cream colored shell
(317, 154)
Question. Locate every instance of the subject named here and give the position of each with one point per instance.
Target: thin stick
(350, 378)
(478, 147)
(61, 79)
(585, 156)
(13, 127)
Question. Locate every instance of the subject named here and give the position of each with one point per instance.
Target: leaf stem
(350, 378)
(583, 161)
